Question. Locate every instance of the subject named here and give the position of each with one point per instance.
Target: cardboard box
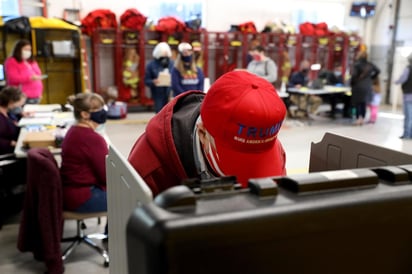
(39, 139)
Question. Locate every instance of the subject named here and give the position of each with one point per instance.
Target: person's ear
(85, 115)
(201, 132)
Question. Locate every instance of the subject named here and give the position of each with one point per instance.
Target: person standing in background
(23, 71)
(405, 80)
(185, 74)
(157, 75)
(198, 53)
(375, 100)
(361, 83)
(262, 66)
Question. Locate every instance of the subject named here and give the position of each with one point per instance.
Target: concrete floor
(296, 137)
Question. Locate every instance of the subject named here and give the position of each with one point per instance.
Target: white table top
(42, 108)
(21, 152)
(283, 94)
(40, 121)
(324, 90)
(47, 118)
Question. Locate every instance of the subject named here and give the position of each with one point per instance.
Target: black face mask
(164, 61)
(305, 71)
(99, 117)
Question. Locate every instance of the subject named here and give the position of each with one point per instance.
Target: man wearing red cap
(231, 130)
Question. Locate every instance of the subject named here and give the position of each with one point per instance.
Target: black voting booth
(352, 220)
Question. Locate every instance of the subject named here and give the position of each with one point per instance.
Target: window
(184, 10)
(316, 12)
(9, 8)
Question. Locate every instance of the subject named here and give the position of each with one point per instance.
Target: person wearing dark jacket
(157, 72)
(231, 130)
(361, 83)
(405, 80)
(335, 78)
(10, 98)
(186, 75)
(300, 79)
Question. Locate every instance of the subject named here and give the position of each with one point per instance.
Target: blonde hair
(179, 65)
(86, 102)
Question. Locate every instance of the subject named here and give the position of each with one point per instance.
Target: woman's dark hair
(10, 94)
(259, 48)
(18, 48)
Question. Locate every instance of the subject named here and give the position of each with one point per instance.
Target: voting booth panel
(350, 214)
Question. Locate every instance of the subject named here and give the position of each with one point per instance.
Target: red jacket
(155, 156)
(41, 224)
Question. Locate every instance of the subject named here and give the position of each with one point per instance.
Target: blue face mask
(16, 110)
(99, 117)
(186, 59)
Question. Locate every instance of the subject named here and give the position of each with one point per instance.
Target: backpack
(20, 25)
(132, 19)
(100, 18)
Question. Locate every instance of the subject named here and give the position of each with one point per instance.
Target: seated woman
(11, 98)
(13, 171)
(83, 168)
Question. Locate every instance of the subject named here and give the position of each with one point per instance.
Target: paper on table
(164, 79)
(46, 114)
(35, 121)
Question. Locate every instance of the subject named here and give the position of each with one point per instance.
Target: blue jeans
(96, 203)
(160, 96)
(407, 111)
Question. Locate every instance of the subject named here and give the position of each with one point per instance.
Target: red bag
(132, 19)
(170, 25)
(321, 29)
(307, 28)
(100, 18)
(248, 27)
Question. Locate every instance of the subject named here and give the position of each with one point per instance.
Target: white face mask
(25, 54)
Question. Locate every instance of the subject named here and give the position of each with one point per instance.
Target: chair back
(41, 223)
(125, 191)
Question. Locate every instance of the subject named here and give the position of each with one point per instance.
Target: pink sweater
(19, 74)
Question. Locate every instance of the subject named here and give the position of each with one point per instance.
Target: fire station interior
(93, 61)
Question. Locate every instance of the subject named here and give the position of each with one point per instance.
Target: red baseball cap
(243, 113)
